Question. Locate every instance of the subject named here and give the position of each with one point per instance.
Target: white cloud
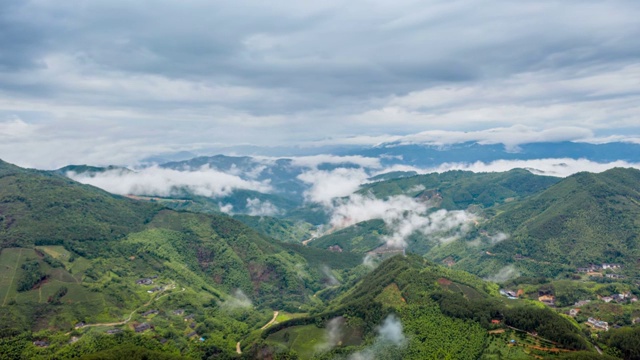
(166, 182)
(390, 334)
(327, 185)
(553, 167)
(237, 300)
(15, 128)
(315, 160)
(506, 273)
(256, 207)
(403, 216)
(332, 334)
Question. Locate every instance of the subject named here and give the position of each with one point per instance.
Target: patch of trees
(31, 275)
(456, 306)
(55, 298)
(547, 324)
(624, 342)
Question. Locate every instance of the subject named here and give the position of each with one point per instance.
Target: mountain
(454, 190)
(93, 275)
(75, 254)
(476, 193)
(584, 219)
(410, 308)
(432, 155)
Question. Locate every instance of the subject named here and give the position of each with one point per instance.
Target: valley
(420, 266)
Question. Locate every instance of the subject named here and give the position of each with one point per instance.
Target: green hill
(453, 190)
(72, 253)
(586, 218)
(444, 314)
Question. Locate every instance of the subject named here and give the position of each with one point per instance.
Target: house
(114, 331)
(547, 300)
(615, 276)
(582, 303)
(155, 289)
(150, 312)
(495, 321)
(142, 327)
(335, 248)
(636, 321)
(145, 281)
(40, 343)
(192, 325)
(610, 266)
(598, 324)
(189, 317)
(79, 325)
(574, 312)
(191, 334)
(509, 293)
(178, 312)
(607, 299)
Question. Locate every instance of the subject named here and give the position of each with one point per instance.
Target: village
(593, 272)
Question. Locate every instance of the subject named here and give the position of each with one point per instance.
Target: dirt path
(154, 299)
(308, 241)
(275, 315)
(15, 270)
(238, 350)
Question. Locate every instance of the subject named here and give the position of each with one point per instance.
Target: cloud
(506, 273)
(498, 237)
(327, 185)
(256, 207)
(226, 208)
(332, 334)
(15, 129)
(509, 136)
(166, 182)
(403, 216)
(315, 160)
(115, 81)
(330, 278)
(390, 337)
(238, 300)
(553, 167)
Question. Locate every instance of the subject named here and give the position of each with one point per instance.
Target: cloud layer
(113, 81)
(166, 182)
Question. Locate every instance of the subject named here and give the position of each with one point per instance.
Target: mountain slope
(433, 313)
(38, 208)
(90, 247)
(586, 218)
(459, 189)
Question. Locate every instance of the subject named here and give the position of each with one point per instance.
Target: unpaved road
(275, 315)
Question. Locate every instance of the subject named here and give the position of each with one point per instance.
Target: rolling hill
(72, 253)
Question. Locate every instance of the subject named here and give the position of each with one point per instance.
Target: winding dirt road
(275, 315)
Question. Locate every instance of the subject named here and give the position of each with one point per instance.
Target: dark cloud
(193, 70)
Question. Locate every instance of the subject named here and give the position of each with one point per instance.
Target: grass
(304, 340)
(10, 260)
(391, 296)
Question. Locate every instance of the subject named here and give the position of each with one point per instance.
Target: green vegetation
(85, 274)
(454, 190)
(279, 229)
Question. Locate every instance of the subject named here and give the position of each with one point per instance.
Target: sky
(110, 82)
